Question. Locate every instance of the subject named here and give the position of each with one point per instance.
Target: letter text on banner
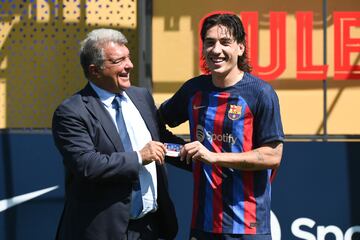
(277, 44)
(345, 45)
(306, 70)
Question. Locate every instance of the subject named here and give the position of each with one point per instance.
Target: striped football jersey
(234, 119)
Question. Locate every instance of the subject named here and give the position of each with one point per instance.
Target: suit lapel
(98, 111)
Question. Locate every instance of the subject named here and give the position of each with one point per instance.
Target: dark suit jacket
(99, 174)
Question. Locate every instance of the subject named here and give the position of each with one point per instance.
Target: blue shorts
(201, 235)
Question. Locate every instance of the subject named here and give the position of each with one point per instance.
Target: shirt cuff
(139, 157)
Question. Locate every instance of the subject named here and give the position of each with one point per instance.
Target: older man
(107, 133)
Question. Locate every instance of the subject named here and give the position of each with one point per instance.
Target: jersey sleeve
(174, 110)
(267, 125)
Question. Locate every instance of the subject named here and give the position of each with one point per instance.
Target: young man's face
(114, 76)
(221, 51)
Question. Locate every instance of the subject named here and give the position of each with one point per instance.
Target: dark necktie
(124, 136)
(136, 202)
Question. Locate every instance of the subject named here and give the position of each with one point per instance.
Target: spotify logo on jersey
(202, 134)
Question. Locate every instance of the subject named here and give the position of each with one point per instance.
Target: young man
(236, 135)
(115, 183)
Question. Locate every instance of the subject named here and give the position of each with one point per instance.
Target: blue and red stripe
(222, 100)
(207, 168)
(193, 120)
(243, 183)
(248, 178)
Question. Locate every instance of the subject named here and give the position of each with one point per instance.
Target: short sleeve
(267, 120)
(174, 110)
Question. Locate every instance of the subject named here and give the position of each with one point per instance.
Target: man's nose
(217, 48)
(129, 64)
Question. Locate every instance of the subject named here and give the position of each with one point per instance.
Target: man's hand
(195, 151)
(153, 151)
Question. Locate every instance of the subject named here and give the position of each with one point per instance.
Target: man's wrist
(215, 157)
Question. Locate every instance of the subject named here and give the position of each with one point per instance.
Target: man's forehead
(219, 32)
(115, 50)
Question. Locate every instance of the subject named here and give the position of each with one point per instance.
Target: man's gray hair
(91, 50)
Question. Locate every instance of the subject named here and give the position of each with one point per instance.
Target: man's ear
(93, 70)
(241, 49)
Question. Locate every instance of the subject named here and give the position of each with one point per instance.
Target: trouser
(145, 228)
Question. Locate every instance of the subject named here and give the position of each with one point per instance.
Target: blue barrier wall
(28, 163)
(315, 194)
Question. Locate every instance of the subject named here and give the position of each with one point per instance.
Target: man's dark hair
(235, 27)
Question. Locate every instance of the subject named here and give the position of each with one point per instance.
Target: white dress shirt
(139, 137)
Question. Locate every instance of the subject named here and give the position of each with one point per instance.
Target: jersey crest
(234, 112)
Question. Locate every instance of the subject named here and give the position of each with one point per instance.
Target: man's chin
(125, 85)
(217, 71)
